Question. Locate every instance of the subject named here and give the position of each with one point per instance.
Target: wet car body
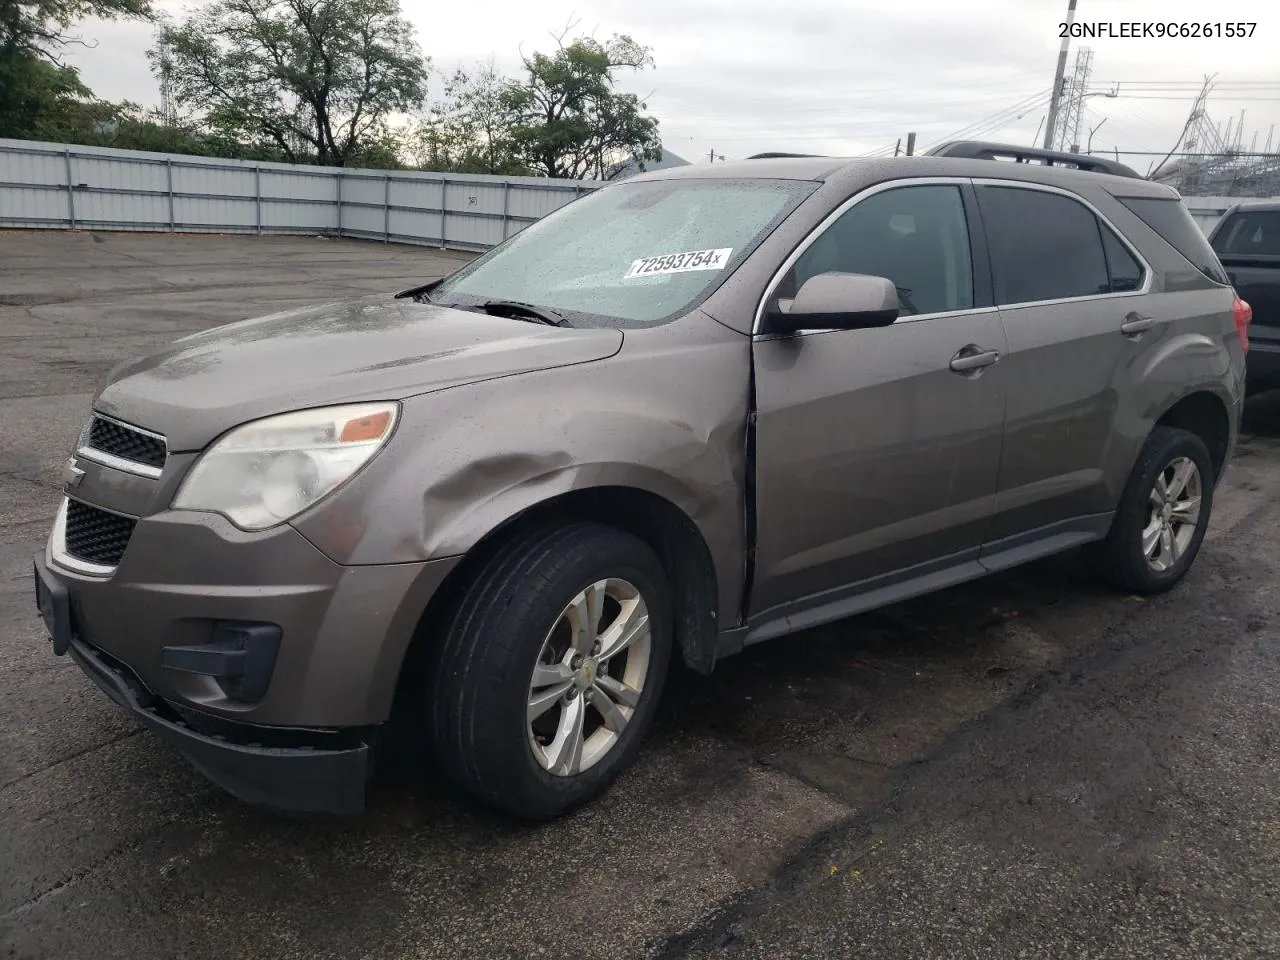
(782, 478)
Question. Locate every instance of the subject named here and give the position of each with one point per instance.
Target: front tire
(551, 666)
(1163, 514)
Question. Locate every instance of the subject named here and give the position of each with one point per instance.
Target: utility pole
(1058, 78)
(713, 156)
(911, 144)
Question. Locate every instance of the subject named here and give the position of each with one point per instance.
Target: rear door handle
(972, 358)
(1135, 325)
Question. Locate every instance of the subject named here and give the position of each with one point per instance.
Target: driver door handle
(1135, 324)
(973, 358)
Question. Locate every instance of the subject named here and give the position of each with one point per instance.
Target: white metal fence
(76, 187)
(58, 186)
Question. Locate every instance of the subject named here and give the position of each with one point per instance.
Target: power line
(1129, 96)
(1155, 88)
(1026, 103)
(1160, 153)
(834, 109)
(1188, 83)
(1000, 119)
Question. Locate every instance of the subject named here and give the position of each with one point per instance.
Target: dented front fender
(665, 415)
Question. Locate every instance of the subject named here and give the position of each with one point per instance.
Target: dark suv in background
(1247, 241)
(699, 409)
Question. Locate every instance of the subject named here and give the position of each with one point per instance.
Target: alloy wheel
(589, 677)
(1174, 513)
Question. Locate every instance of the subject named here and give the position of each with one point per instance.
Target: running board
(865, 595)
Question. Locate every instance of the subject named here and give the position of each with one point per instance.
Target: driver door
(878, 450)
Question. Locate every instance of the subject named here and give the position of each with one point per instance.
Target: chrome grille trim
(58, 548)
(107, 458)
(118, 463)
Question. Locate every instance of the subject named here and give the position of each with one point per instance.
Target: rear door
(1072, 296)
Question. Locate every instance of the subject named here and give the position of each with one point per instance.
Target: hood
(374, 348)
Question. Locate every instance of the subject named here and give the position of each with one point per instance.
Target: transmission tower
(1066, 134)
(1202, 135)
(164, 74)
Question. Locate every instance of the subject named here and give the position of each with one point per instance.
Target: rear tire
(573, 623)
(1163, 514)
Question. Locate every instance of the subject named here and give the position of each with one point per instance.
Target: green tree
(41, 28)
(34, 82)
(469, 130)
(567, 119)
(315, 80)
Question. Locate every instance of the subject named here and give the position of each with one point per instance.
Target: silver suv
(693, 411)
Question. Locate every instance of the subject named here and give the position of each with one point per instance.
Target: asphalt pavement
(1026, 766)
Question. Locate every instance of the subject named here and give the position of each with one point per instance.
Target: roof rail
(782, 156)
(980, 150)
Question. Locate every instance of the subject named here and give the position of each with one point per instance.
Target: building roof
(632, 168)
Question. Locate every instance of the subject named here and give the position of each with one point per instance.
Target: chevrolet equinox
(695, 410)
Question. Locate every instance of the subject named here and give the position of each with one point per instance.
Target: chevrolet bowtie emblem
(72, 474)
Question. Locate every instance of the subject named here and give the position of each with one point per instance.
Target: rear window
(1170, 219)
(1255, 233)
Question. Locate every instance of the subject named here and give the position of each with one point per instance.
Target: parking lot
(1026, 766)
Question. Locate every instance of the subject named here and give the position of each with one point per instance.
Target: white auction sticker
(679, 263)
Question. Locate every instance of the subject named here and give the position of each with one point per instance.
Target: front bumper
(302, 779)
(300, 738)
(343, 631)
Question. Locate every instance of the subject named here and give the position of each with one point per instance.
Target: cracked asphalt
(1027, 766)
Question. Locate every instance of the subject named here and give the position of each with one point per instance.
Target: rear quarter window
(1169, 218)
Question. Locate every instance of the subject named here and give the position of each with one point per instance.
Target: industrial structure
(1075, 89)
(1208, 160)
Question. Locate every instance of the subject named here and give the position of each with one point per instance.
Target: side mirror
(837, 301)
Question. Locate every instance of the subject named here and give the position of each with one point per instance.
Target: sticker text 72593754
(679, 263)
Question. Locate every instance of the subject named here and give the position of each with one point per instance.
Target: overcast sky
(843, 76)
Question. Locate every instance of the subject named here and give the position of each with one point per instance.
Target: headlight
(261, 474)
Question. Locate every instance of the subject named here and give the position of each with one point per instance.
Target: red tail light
(1243, 314)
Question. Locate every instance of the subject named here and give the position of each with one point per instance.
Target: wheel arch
(657, 521)
(1202, 412)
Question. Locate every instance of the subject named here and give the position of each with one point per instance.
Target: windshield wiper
(525, 311)
(420, 293)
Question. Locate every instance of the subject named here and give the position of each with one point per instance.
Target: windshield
(630, 254)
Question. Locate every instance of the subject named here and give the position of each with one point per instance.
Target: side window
(1126, 272)
(1044, 246)
(915, 236)
(1169, 217)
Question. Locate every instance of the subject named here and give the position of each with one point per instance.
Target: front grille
(97, 536)
(126, 443)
